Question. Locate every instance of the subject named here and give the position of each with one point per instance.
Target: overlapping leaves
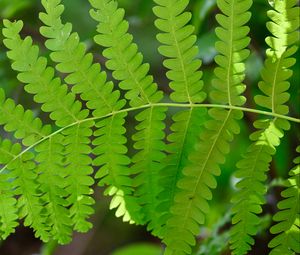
(45, 175)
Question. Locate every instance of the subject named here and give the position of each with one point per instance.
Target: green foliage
(178, 46)
(252, 169)
(287, 229)
(127, 65)
(90, 83)
(161, 176)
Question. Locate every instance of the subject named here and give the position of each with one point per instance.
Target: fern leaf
(20, 176)
(40, 78)
(283, 45)
(70, 55)
(184, 136)
(252, 171)
(15, 119)
(147, 162)
(232, 50)
(114, 167)
(127, 65)
(53, 185)
(78, 161)
(110, 148)
(123, 57)
(190, 203)
(180, 50)
(65, 111)
(90, 83)
(287, 240)
(77, 139)
(275, 74)
(178, 46)
(190, 206)
(8, 208)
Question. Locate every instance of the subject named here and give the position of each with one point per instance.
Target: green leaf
(287, 231)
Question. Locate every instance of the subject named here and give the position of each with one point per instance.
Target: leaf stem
(175, 105)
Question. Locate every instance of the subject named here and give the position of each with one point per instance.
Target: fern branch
(115, 173)
(8, 208)
(90, 83)
(70, 55)
(78, 161)
(232, 33)
(283, 45)
(179, 49)
(130, 109)
(127, 65)
(186, 126)
(123, 57)
(53, 185)
(64, 109)
(21, 178)
(287, 229)
(252, 172)
(190, 206)
(190, 203)
(39, 78)
(178, 46)
(275, 84)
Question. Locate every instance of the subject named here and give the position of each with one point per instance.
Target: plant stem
(176, 105)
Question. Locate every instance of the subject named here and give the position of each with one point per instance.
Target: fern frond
(90, 83)
(180, 50)
(45, 176)
(190, 202)
(253, 168)
(20, 179)
(287, 229)
(78, 162)
(39, 78)
(283, 45)
(115, 172)
(8, 207)
(110, 148)
(23, 123)
(53, 185)
(252, 172)
(70, 55)
(68, 188)
(127, 65)
(123, 57)
(148, 161)
(232, 50)
(178, 46)
(185, 131)
(190, 206)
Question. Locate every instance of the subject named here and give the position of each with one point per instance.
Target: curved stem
(229, 107)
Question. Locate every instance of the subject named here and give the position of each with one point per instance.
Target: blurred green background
(110, 235)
